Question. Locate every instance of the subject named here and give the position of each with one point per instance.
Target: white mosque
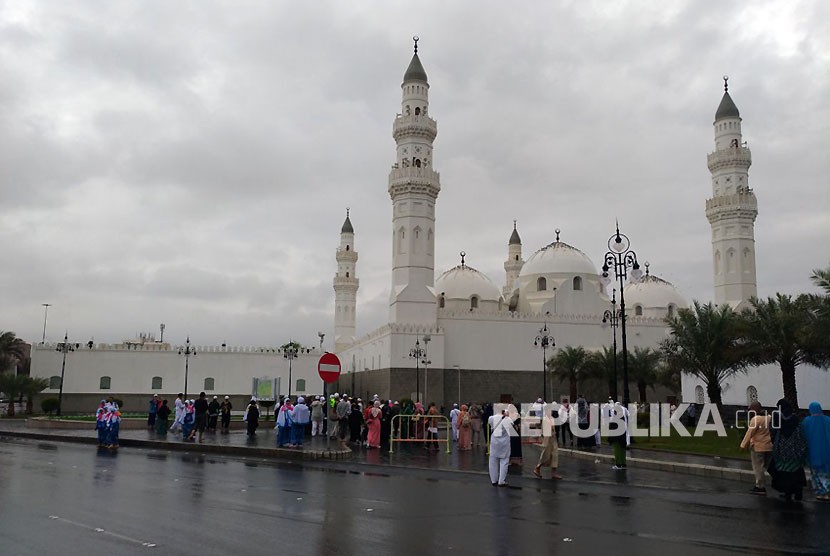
(458, 336)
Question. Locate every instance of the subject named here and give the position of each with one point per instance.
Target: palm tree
(644, 369)
(32, 387)
(600, 365)
(12, 350)
(571, 364)
(705, 342)
(12, 385)
(780, 330)
(820, 307)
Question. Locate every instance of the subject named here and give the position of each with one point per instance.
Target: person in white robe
(179, 414)
(454, 413)
(500, 427)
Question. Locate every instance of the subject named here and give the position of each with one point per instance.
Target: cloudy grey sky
(190, 162)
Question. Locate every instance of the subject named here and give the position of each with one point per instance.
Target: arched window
(474, 302)
(105, 383)
(541, 284)
(517, 257)
(209, 382)
(300, 385)
(577, 283)
(347, 275)
(441, 301)
(638, 310)
(347, 248)
(671, 311)
(417, 111)
(751, 395)
(54, 382)
(156, 383)
(401, 241)
(699, 394)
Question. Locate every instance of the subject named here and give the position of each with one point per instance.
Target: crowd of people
(108, 424)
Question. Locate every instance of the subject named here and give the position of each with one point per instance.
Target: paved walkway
(405, 455)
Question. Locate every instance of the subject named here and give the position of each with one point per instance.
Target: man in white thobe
(179, 415)
(500, 427)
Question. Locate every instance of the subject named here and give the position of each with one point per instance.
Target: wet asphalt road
(71, 500)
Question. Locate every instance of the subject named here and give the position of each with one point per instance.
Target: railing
(732, 154)
(415, 421)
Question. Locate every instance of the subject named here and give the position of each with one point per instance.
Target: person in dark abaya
(789, 451)
(385, 423)
(252, 417)
(355, 423)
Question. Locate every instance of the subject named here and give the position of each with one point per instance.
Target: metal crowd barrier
(414, 420)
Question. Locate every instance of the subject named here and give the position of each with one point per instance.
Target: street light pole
(620, 258)
(187, 351)
(63, 347)
(417, 353)
(289, 352)
(426, 362)
(544, 340)
(45, 312)
(612, 317)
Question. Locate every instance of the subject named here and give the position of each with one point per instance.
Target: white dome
(653, 292)
(558, 257)
(463, 282)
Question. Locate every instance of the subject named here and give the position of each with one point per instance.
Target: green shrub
(49, 405)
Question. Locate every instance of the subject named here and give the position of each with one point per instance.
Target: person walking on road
(213, 414)
(285, 420)
(759, 443)
(619, 437)
(225, 411)
(817, 432)
(465, 429)
(476, 413)
(500, 425)
(178, 416)
(550, 449)
(200, 408)
(454, 421)
(252, 418)
(342, 410)
(155, 404)
(334, 420)
(373, 417)
(162, 418)
(789, 450)
(188, 421)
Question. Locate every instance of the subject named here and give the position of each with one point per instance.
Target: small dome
(463, 282)
(727, 108)
(347, 226)
(652, 292)
(556, 258)
(415, 71)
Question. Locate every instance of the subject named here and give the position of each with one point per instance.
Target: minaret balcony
(414, 180)
(343, 255)
(342, 281)
(729, 158)
(738, 205)
(417, 126)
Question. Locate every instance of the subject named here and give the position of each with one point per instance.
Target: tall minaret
(514, 263)
(345, 288)
(413, 187)
(732, 209)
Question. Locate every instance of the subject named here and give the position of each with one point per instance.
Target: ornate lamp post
(417, 354)
(290, 352)
(544, 340)
(63, 347)
(187, 351)
(426, 363)
(612, 317)
(619, 259)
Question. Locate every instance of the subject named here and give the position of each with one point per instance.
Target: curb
(710, 471)
(277, 453)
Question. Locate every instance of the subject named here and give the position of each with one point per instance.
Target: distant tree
(571, 364)
(13, 386)
(12, 350)
(780, 330)
(705, 342)
(32, 387)
(600, 366)
(644, 366)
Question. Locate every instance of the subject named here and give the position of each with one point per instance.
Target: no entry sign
(329, 368)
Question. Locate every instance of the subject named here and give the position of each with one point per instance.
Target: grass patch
(709, 444)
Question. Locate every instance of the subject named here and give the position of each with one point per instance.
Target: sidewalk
(405, 456)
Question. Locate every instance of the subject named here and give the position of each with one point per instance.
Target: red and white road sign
(329, 368)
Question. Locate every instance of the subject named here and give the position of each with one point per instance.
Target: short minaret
(345, 288)
(514, 263)
(413, 188)
(732, 209)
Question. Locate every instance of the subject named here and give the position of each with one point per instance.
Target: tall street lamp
(417, 354)
(544, 340)
(45, 312)
(426, 363)
(64, 347)
(619, 259)
(289, 352)
(611, 317)
(187, 351)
